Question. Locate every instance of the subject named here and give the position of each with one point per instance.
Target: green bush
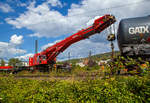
(114, 90)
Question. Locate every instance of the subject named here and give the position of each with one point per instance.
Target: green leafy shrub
(117, 89)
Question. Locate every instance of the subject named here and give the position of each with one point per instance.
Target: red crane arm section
(98, 26)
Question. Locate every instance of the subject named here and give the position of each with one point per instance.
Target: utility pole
(69, 57)
(90, 53)
(36, 46)
(112, 49)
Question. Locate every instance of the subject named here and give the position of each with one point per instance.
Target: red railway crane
(47, 58)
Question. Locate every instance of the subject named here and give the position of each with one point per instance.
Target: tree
(14, 62)
(2, 62)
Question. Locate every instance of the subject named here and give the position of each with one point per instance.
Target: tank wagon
(133, 37)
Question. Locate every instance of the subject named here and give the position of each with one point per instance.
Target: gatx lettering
(140, 29)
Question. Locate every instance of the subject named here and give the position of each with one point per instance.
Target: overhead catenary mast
(36, 46)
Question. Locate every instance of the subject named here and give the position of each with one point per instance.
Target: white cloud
(91, 21)
(55, 3)
(5, 8)
(46, 22)
(35, 35)
(10, 49)
(16, 40)
(25, 57)
(82, 49)
(20, 4)
(7, 50)
(49, 44)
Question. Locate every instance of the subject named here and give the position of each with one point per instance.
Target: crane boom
(49, 54)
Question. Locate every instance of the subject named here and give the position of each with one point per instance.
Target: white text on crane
(140, 29)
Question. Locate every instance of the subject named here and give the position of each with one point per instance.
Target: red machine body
(48, 56)
(2, 68)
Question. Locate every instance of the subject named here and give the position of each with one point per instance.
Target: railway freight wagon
(134, 36)
(6, 68)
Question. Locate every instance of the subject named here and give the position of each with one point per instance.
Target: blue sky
(17, 8)
(48, 21)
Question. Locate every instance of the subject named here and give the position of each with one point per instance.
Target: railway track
(48, 77)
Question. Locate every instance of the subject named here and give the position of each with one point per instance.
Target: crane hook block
(111, 37)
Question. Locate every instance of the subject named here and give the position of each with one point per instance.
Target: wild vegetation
(97, 84)
(117, 89)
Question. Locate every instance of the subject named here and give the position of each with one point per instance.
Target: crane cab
(42, 59)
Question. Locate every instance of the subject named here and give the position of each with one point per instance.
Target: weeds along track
(49, 77)
(117, 89)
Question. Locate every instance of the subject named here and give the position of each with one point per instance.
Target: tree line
(11, 62)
